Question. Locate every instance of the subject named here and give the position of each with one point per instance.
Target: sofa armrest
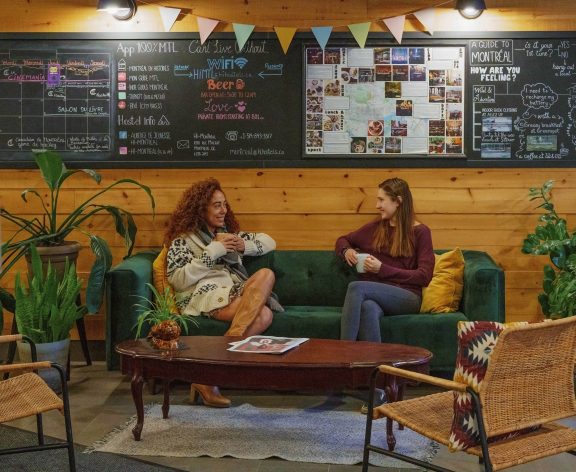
(484, 288)
(126, 283)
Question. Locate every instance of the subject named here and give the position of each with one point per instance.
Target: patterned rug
(247, 432)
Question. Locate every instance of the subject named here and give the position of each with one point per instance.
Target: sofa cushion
(444, 292)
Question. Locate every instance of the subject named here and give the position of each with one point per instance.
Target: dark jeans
(367, 302)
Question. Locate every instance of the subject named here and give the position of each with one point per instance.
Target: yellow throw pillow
(159, 277)
(445, 290)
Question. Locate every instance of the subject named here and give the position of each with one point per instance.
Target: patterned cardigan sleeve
(257, 244)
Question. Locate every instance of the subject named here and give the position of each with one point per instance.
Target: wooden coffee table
(318, 364)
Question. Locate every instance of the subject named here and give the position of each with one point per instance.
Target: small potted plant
(45, 311)
(50, 232)
(162, 316)
(552, 237)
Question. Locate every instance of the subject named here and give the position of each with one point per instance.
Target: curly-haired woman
(204, 267)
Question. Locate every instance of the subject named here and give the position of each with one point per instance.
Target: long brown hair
(402, 242)
(190, 213)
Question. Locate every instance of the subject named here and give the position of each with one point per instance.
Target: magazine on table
(266, 344)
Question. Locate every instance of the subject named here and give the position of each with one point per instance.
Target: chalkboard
(165, 100)
(523, 99)
(150, 100)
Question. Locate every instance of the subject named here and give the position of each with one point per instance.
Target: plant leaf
(97, 278)
(51, 167)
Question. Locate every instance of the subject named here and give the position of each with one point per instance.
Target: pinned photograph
(436, 145)
(393, 89)
(416, 56)
(403, 107)
(314, 56)
(454, 77)
(453, 94)
(399, 55)
(383, 73)
(399, 127)
(358, 145)
(454, 128)
(436, 94)
(332, 88)
(332, 56)
(496, 151)
(417, 73)
(349, 75)
(400, 73)
(365, 75)
(375, 128)
(381, 55)
(436, 128)
(313, 138)
(392, 145)
(496, 124)
(454, 111)
(436, 77)
(314, 88)
(315, 104)
(375, 144)
(453, 145)
(313, 121)
(547, 143)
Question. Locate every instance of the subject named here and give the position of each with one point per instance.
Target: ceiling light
(119, 9)
(471, 9)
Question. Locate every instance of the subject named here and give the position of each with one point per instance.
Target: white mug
(360, 264)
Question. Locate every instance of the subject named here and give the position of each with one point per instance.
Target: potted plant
(46, 310)
(551, 237)
(162, 316)
(52, 230)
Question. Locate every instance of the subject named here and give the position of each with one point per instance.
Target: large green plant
(551, 237)
(55, 225)
(47, 309)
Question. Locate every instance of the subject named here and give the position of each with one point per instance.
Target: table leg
(136, 386)
(391, 388)
(166, 403)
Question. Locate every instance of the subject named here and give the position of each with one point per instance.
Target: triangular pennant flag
(322, 34)
(169, 16)
(205, 27)
(360, 32)
(427, 18)
(242, 33)
(285, 35)
(396, 26)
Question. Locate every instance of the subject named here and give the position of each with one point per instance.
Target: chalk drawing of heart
(241, 106)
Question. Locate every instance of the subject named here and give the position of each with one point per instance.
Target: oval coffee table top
(314, 352)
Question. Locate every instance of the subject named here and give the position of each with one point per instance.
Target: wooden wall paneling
(481, 209)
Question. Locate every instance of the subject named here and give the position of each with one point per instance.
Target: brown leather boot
(249, 308)
(210, 395)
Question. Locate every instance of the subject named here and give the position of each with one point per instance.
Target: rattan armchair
(27, 395)
(529, 382)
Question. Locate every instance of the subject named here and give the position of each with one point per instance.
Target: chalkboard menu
(503, 99)
(523, 99)
(149, 100)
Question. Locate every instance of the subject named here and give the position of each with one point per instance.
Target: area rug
(248, 432)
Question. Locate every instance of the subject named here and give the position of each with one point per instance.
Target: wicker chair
(529, 382)
(27, 394)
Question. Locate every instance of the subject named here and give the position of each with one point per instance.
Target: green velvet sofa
(311, 285)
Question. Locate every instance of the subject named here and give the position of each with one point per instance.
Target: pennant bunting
(396, 26)
(285, 35)
(322, 34)
(360, 32)
(242, 33)
(427, 19)
(169, 16)
(205, 27)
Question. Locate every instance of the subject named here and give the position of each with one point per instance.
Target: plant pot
(165, 335)
(56, 351)
(57, 256)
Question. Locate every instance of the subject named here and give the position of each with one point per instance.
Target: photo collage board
(385, 100)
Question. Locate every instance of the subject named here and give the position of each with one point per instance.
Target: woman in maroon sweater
(400, 263)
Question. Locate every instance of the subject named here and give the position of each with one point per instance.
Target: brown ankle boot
(210, 396)
(249, 308)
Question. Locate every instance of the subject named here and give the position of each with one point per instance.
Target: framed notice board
(165, 100)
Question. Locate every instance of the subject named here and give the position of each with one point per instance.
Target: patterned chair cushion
(476, 341)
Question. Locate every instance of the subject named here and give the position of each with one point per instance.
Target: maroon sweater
(411, 273)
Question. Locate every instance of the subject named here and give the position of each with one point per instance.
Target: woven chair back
(530, 377)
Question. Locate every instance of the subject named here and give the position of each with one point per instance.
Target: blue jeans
(367, 302)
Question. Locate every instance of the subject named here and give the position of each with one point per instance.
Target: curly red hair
(190, 213)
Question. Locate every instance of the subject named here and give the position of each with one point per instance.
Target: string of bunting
(426, 17)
